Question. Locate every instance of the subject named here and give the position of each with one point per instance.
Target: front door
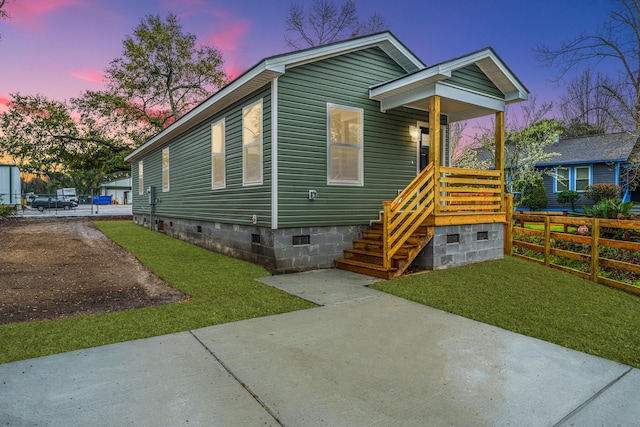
(424, 147)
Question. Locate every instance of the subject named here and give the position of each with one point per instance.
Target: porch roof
(463, 96)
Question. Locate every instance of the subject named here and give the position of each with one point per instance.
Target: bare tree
(3, 11)
(326, 23)
(616, 42)
(586, 105)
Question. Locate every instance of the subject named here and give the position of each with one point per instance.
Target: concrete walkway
(364, 358)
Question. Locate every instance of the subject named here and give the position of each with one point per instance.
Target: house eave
(413, 90)
(254, 79)
(268, 69)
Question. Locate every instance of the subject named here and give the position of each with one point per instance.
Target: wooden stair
(366, 257)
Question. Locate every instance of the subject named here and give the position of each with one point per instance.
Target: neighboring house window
(344, 145)
(561, 179)
(582, 177)
(140, 178)
(217, 155)
(575, 178)
(252, 144)
(165, 169)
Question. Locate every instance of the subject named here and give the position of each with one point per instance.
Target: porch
(473, 86)
(431, 202)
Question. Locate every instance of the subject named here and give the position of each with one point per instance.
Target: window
(217, 155)
(165, 169)
(561, 179)
(344, 141)
(575, 178)
(140, 178)
(582, 178)
(252, 144)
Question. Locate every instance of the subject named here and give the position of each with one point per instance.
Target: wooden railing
(470, 190)
(407, 212)
(586, 244)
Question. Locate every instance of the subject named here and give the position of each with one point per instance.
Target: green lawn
(223, 290)
(533, 300)
(510, 293)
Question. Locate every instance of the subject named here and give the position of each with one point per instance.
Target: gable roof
(271, 67)
(615, 147)
(413, 89)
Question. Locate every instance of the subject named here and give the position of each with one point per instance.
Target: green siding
(190, 194)
(472, 77)
(389, 153)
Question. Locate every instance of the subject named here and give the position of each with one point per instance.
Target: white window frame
(165, 170)
(258, 142)
(575, 177)
(140, 177)
(555, 179)
(221, 154)
(359, 182)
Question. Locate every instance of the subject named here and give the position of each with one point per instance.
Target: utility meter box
(152, 195)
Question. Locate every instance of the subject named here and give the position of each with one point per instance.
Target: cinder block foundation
(280, 251)
(457, 245)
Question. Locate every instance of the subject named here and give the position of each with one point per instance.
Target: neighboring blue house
(591, 160)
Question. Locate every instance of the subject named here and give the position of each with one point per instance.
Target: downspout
(274, 153)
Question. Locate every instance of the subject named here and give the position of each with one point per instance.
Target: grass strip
(533, 300)
(223, 290)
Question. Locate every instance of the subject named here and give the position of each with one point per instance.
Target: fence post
(595, 253)
(547, 240)
(386, 223)
(508, 229)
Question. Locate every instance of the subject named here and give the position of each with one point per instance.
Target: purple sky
(59, 48)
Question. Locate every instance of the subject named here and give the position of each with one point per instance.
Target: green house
(288, 165)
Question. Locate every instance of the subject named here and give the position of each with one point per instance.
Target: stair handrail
(407, 212)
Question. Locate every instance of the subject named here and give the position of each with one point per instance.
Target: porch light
(414, 131)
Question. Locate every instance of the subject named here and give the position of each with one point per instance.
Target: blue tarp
(101, 200)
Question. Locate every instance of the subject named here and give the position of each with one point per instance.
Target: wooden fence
(566, 242)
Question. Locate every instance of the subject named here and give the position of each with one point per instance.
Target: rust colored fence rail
(593, 244)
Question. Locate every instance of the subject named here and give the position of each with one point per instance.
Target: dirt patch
(55, 268)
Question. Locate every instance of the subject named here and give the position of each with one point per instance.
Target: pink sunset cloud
(30, 13)
(228, 41)
(4, 103)
(93, 76)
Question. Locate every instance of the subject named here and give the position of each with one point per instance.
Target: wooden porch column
(434, 146)
(500, 154)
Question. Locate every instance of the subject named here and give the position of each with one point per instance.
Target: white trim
(244, 85)
(385, 40)
(269, 68)
(223, 154)
(274, 153)
(360, 181)
(259, 142)
(575, 176)
(555, 178)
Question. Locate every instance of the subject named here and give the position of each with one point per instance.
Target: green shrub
(568, 197)
(597, 192)
(533, 196)
(609, 209)
(6, 210)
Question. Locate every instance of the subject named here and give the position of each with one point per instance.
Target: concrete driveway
(364, 358)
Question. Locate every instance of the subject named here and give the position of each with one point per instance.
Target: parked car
(42, 203)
